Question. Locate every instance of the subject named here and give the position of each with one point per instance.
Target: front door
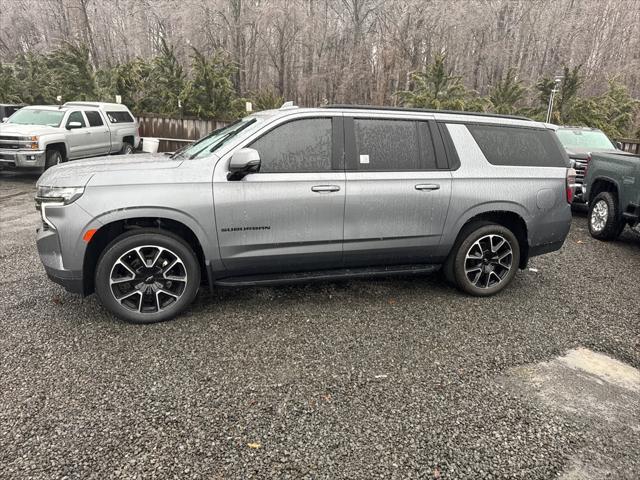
(397, 192)
(78, 139)
(289, 216)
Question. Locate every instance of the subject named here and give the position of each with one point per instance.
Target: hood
(583, 153)
(26, 130)
(77, 173)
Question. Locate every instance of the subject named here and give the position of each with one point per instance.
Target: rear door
(289, 216)
(398, 191)
(99, 135)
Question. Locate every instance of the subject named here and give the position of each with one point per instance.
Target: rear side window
(383, 144)
(298, 146)
(95, 120)
(516, 146)
(119, 117)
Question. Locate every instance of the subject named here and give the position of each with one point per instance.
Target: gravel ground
(382, 378)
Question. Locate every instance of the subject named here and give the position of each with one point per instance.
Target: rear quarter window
(119, 117)
(518, 146)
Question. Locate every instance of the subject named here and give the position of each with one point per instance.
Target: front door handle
(427, 186)
(325, 188)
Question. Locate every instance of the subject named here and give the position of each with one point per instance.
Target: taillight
(571, 183)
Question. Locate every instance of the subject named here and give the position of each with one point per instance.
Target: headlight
(59, 195)
(34, 142)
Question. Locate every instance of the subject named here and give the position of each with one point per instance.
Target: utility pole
(556, 88)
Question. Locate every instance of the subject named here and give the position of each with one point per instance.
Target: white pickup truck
(38, 137)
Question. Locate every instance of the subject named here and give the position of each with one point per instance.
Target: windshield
(214, 140)
(584, 139)
(28, 116)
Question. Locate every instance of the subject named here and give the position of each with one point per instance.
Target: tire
(53, 157)
(126, 149)
(605, 221)
(155, 291)
(498, 257)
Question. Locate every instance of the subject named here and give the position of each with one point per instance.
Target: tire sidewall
(49, 159)
(460, 257)
(614, 225)
(127, 149)
(130, 240)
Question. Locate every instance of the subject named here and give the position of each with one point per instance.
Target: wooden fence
(176, 132)
(629, 145)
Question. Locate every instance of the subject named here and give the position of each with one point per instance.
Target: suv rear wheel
(146, 276)
(484, 260)
(605, 222)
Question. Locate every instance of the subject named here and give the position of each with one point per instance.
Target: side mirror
(4, 119)
(243, 162)
(73, 125)
(619, 146)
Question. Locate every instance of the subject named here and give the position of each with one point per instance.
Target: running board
(324, 275)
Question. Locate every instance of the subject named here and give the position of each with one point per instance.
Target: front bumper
(50, 252)
(19, 159)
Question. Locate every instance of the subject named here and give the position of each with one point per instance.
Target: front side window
(95, 120)
(298, 146)
(383, 144)
(76, 117)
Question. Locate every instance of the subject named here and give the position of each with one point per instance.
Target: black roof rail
(424, 110)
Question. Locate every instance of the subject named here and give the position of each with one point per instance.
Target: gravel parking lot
(381, 378)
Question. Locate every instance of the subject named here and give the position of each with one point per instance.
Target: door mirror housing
(243, 162)
(73, 125)
(619, 145)
(4, 119)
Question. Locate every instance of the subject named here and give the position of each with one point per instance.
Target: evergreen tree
(565, 98)
(167, 83)
(8, 85)
(507, 96)
(437, 88)
(211, 93)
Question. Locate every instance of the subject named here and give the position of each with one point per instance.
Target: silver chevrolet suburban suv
(38, 137)
(300, 194)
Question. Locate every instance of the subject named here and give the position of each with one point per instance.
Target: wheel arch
(602, 184)
(112, 229)
(508, 218)
(59, 146)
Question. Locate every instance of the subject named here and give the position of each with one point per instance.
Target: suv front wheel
(484, 260)
(144, 276)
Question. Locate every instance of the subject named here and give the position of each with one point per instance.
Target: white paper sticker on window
(364, 158)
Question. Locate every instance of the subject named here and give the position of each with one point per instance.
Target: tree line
(205, 88)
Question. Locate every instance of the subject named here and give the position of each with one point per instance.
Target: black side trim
(438, 146)
(450, 148)
(545, 248)
(337, 144)
(323, 275)
(350, 144)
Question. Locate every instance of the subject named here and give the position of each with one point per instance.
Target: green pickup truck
(612, 189)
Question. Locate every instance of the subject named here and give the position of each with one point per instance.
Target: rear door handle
(427, 186)
(325, 188)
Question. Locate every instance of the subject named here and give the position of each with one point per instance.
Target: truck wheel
(147, 276)
(53, 157)
(126, 149)
(605, 222)
(484, 260)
